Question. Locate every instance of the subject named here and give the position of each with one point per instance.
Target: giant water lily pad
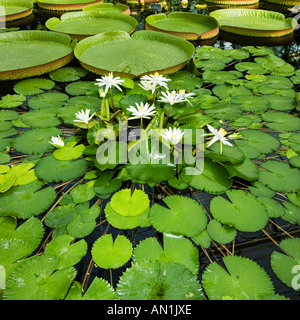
(108, 7)
(186, 25)
(16, 9)
(30, 53)
(143, 53)
(254, 23)
(79, 25)
(66, 5)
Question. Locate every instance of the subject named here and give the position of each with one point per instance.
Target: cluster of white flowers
(145, 111)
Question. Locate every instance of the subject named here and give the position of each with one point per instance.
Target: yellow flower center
(223, 132)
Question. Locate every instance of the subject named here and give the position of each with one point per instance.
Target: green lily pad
(279, 176)
(121, 222)
(262, 141)
(53, 100)
(59, 216)
(176, 249)
(156, 280)
(33, 86)
(186, 25)
(82, 24)
(69, 152)
(35, 141)
(251, 103)
(280, 103)
(184, 216)
(137, 62)
(129, 203)
(29, 53)
(280, 121)
(79, 88)
(37, 279)
(214, 179)
(69, 254)
(12, 101)
(67, 74)
(243, 279)
(53, 170)
(111, 254)
(243, 211)
(254, 22)
(221, 233)
(19, 243)
(26, 201)
(286, 266)
(41, 118)
(84, 221)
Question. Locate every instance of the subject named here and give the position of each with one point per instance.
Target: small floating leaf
(68, 74)
(111, 254)
(33, 86)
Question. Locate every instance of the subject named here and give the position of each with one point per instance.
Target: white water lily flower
(155, 80)
(109, 81)
(186, 96)
(83, 116)
(57, 142)
(141, 111)
(147, 86)
(172, 97)
(172, 135)
(218, 136)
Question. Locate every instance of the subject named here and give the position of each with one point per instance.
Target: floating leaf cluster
(150, 231)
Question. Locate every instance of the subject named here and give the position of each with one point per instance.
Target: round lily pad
(286, 265)
(156, 280)
(176, 249)
(214, 179)
(111, 254)
(129, 203)
(279, 176)
(33, 86)
(243, 211)
(102, 53)
(182, 216)
(67, 74)
(53, 170)
(243, 279)
(221, 233)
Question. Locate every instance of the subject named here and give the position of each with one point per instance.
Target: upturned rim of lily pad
(256, 13)
(188, 16)
(25, 4)
(147, 35)
(60, 6)
(24, 36)
(87, 16)
(233, 2)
